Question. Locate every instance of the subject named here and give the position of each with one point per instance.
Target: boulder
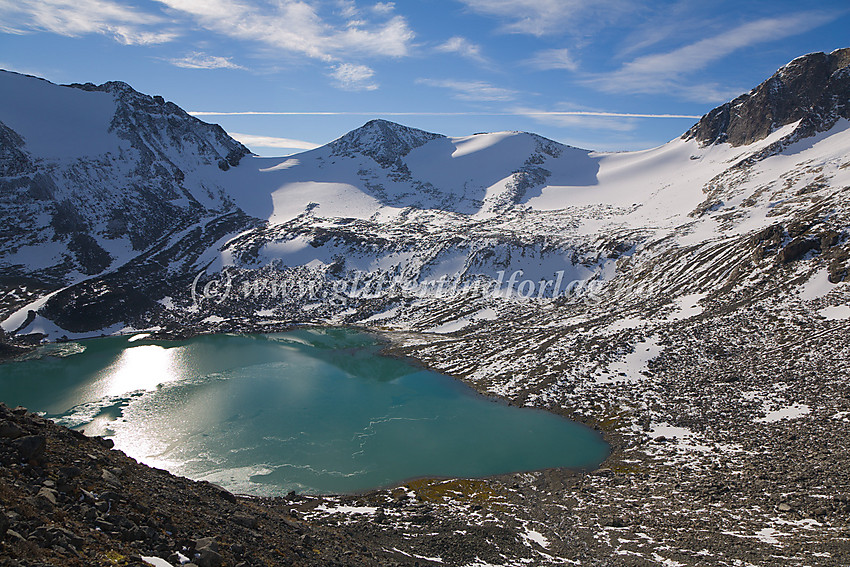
(245, 520)
(208, 558)
(30, 447)
(796, 249)
(829, 239)
(47, 496)
(110, 478)
(206, 543)
(9, 430)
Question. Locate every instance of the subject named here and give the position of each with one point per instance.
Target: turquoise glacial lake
(316, 411)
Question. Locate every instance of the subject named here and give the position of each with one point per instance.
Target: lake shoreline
(459, 409)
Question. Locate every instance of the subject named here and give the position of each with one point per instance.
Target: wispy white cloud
(294, 26)
(553, 17)
(352, 77)
(463, 47)
(674, 23)
(348, 8)
(297, 27)
(74, 18)
(584, 119)
(553, 59)
(383, 7)
(272, 142)
(593, 113)
(666, 72)
(594, 119)
(197, 60)
(471, 90)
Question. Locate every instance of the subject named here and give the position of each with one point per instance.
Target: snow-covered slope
(384, 167)
(484, 176)
(592, 219)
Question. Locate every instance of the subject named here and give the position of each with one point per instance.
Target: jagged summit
(382, 140)
(814, 88)
(138, 111)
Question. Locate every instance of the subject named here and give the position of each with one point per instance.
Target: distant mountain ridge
(383, 166)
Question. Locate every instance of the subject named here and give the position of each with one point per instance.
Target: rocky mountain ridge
(151, 169)
(812, 89)
(367, 198)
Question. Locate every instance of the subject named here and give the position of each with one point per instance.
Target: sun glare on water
(139, 368)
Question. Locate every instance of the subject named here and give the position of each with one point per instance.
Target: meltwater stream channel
(311, 410)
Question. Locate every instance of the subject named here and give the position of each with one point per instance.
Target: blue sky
(284, 75)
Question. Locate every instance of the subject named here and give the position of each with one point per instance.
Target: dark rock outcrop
(796, 249)
(30, 447)
(814, 88)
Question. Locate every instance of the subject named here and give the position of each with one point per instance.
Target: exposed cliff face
(13, 161)
(814, 88)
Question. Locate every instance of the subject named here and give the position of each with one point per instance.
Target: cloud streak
(199, 60)
(553, 17)
(471, 90)
(586, 119)
(463, 47)
(550, 59)
(272, 142)
(351, 77)
(519, 112)
(667, 72)
(75, 18)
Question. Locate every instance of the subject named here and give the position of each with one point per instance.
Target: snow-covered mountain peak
(154, 118)
(100, 172)
(385, 167)
(384, 141)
